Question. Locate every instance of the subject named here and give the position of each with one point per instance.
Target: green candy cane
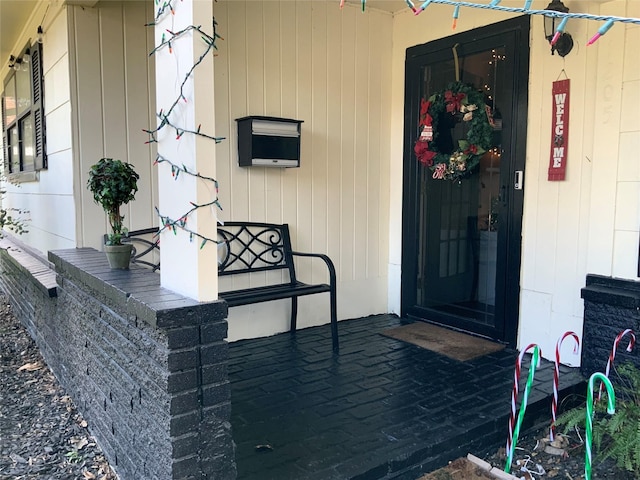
(611, 409)
(535, 362)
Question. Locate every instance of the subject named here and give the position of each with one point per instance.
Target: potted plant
(114, 183)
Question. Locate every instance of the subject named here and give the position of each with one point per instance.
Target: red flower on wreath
(472, 149)
(423, 154)
(453, 100)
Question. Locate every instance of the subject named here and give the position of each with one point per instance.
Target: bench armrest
(327, 261)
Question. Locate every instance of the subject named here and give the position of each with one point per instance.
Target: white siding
(49, 200)
(112, 78)
(330, 68)
(627, 215)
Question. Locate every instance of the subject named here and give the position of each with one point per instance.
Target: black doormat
(456, 345)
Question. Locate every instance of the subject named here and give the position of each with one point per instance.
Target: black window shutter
(37, 109)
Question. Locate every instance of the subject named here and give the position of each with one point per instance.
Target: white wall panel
(627, 213)
(629, 118)
(629, 169)
(330, 68)
(59, 129)
(112, 98)
(625, 264)
(57, 178)
(51, 220)
(57, 86)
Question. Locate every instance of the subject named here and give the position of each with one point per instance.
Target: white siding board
(56, 181)
(629, 166)
(272, 107)
(319, 96)
(256, 101)
(629, 118)
(140, 155)
(632, 40)
(334, 132)
(288, 96)
(49, 215)
(374, 206)
(56, 42)
(627, 214)
(57, 84)
(224, 128)
(386, 154)
(625, 265)
(347, 174)
(58, 127)
(362, 148)
(237, 45)
(302, 236)
(85, 27)
(113, 85)
(272, 52)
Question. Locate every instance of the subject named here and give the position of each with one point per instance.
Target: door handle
(517, 181)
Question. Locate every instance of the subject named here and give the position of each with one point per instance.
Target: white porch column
(188, 267)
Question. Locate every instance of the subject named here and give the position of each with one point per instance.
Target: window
(23, 114)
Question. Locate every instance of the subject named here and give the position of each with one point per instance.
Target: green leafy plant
(113, 184)
(73, 456)
(615, 436)
(12, 219)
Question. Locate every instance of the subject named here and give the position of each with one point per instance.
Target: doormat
(456, 345)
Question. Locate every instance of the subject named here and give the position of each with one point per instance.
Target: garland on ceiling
(495, 5)
(167, 41)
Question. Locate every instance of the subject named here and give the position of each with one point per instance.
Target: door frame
(509, 279)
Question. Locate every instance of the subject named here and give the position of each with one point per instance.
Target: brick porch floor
(380, 409)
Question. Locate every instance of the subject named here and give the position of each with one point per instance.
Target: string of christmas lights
(495, 5)
(166, 222)
(210, 41)
(167, 6)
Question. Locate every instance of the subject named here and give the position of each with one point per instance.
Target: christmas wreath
(434, 148)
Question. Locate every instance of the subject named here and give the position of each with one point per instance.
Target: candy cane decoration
(535, 362)
(556, 379)
(514, 394)
(612, 355)
(611, 409)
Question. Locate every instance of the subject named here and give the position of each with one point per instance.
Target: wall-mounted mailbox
(268, 142)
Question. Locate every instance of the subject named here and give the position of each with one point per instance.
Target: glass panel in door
(459, 221)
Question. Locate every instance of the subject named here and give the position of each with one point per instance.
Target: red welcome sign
(559, 130)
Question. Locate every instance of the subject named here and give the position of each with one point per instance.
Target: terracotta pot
(119, 256)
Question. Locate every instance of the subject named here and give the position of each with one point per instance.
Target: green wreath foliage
(458, 102)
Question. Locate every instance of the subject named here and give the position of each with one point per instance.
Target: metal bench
(249, 247)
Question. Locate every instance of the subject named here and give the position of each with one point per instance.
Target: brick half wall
(611, 305)
(146, 367)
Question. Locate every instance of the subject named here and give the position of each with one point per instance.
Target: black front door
(462, 239)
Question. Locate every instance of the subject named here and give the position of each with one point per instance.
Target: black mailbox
(268, 142)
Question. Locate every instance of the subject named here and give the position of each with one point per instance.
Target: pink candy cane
(514, 394)
(612, 355)
(556, 379)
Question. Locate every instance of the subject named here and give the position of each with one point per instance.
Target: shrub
(615, 436)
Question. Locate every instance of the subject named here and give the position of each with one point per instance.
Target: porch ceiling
(14, 15)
